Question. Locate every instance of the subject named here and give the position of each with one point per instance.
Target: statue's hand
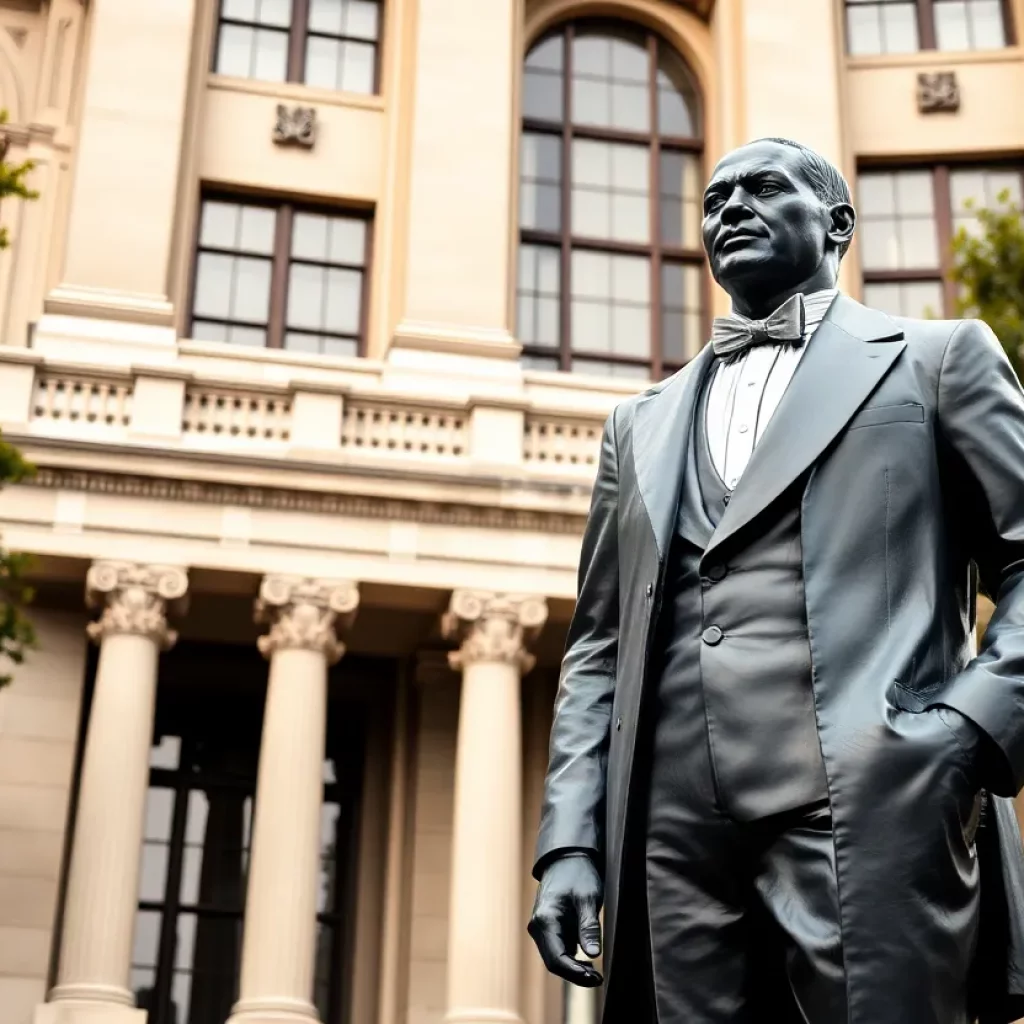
(565, 914)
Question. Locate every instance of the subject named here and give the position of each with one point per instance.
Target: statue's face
(763, 221)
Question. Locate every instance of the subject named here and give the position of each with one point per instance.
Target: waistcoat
(738, 634)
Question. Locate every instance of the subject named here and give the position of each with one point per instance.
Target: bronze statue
(775, 757)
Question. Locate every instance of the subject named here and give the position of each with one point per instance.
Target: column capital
(305, 613)
(493, 627)
(135, 599)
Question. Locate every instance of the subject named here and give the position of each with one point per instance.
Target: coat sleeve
(572, 814)
(981, 415)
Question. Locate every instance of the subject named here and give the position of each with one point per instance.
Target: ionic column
(99, 909)
(279, 943)
(485, 917)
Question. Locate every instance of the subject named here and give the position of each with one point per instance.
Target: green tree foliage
(16, 633)
(989, 274)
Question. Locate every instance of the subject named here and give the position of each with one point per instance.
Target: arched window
(611, 271)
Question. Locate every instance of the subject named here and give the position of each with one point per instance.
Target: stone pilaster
(279, 944)
(485, 926)
(99, 911)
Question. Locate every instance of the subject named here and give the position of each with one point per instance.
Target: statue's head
(777, 217)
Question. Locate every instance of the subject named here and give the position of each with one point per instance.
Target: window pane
(362, 20)
(682, 326)
(876, 195)
(185, 946)
(630, 60)
(146, 940)
(270, 60)
(305, 296)
(347, 241)
(276, 12)
(951, 31)
(219, 225)
(631, 107)
(547, 54)
(592, 55)
(253, 336)
(987, 26)
(257, 229)
(547, 364)
(323, 62)
(165, 754)
(153, 872)
(344, 299)
(914, 193)
(326, 16)
(241, 10)
(542, 95)
(213, 285)
(591, 274)
(357, 67)
(863, 30)
(914, 298)
(141, 982)
(204, 331)
(899, 28)
(677, 99)
(181, 995)
(919, 244)
(601, 368)
(235, 47)
(251, 290)
(591, 102)
(680, 203)
(309, 237)
(631, 279)
(540, 192)
(591, 326)
(159, 812)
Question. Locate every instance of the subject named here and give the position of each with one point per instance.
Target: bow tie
(732, 335)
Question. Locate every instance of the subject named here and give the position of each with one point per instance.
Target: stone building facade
(310, 337)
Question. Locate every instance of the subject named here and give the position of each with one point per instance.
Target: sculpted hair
(826, 179)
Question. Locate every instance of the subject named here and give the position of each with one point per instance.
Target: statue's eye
(768, 189)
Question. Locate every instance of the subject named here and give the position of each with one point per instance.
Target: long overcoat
(910, 436)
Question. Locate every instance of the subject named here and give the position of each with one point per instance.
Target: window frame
(940, 173)
(655, 250)
(927, 37)
(298, 32)
(280, 261)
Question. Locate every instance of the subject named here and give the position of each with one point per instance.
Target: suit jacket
(911, 436)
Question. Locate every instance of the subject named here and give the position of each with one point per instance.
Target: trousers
(745, 918)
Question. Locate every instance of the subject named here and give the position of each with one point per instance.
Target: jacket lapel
(661, 431)
(846, 358)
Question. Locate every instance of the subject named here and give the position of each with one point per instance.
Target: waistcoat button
(712, 636)
(716, 573)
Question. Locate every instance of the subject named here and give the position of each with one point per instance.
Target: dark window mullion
(654, 187)
(172, 891)
(564, 311)
(297, 41)
(944, 230)
(279, 277)
(926, 24)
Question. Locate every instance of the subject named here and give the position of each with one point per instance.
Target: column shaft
(103, 878)
(280, 910)
(103, 882)
(279, 943)
(485, 917)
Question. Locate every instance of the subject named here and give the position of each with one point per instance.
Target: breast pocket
(875, 416)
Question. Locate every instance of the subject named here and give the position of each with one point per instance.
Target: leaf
(988, 270)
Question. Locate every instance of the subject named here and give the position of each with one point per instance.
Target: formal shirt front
(746, 391)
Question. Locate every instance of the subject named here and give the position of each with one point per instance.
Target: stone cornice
(284, 499)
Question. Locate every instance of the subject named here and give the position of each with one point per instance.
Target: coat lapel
(661, 431)
(846, 358)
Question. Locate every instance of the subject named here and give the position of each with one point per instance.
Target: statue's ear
(843, 221)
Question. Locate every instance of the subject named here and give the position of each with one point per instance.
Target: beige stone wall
(39, 715)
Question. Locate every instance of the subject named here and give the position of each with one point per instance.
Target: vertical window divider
(654, 188)
(168, 948)
(926, 24)
(944, 232)
(297, 35)
(565, 270)
(279, 277)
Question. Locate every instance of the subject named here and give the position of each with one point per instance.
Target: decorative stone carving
(493, 627)
(938, 91)
(295, 125)
(305, 613)
(135, 599)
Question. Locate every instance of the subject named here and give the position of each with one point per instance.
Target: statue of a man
(775, 758)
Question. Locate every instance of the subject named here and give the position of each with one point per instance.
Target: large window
(199, 810)
(906, 222)
(330, 44)
(611, 276)
(280, 277)
(905, 26)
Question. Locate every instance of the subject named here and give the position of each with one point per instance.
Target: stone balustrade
(533, 433)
